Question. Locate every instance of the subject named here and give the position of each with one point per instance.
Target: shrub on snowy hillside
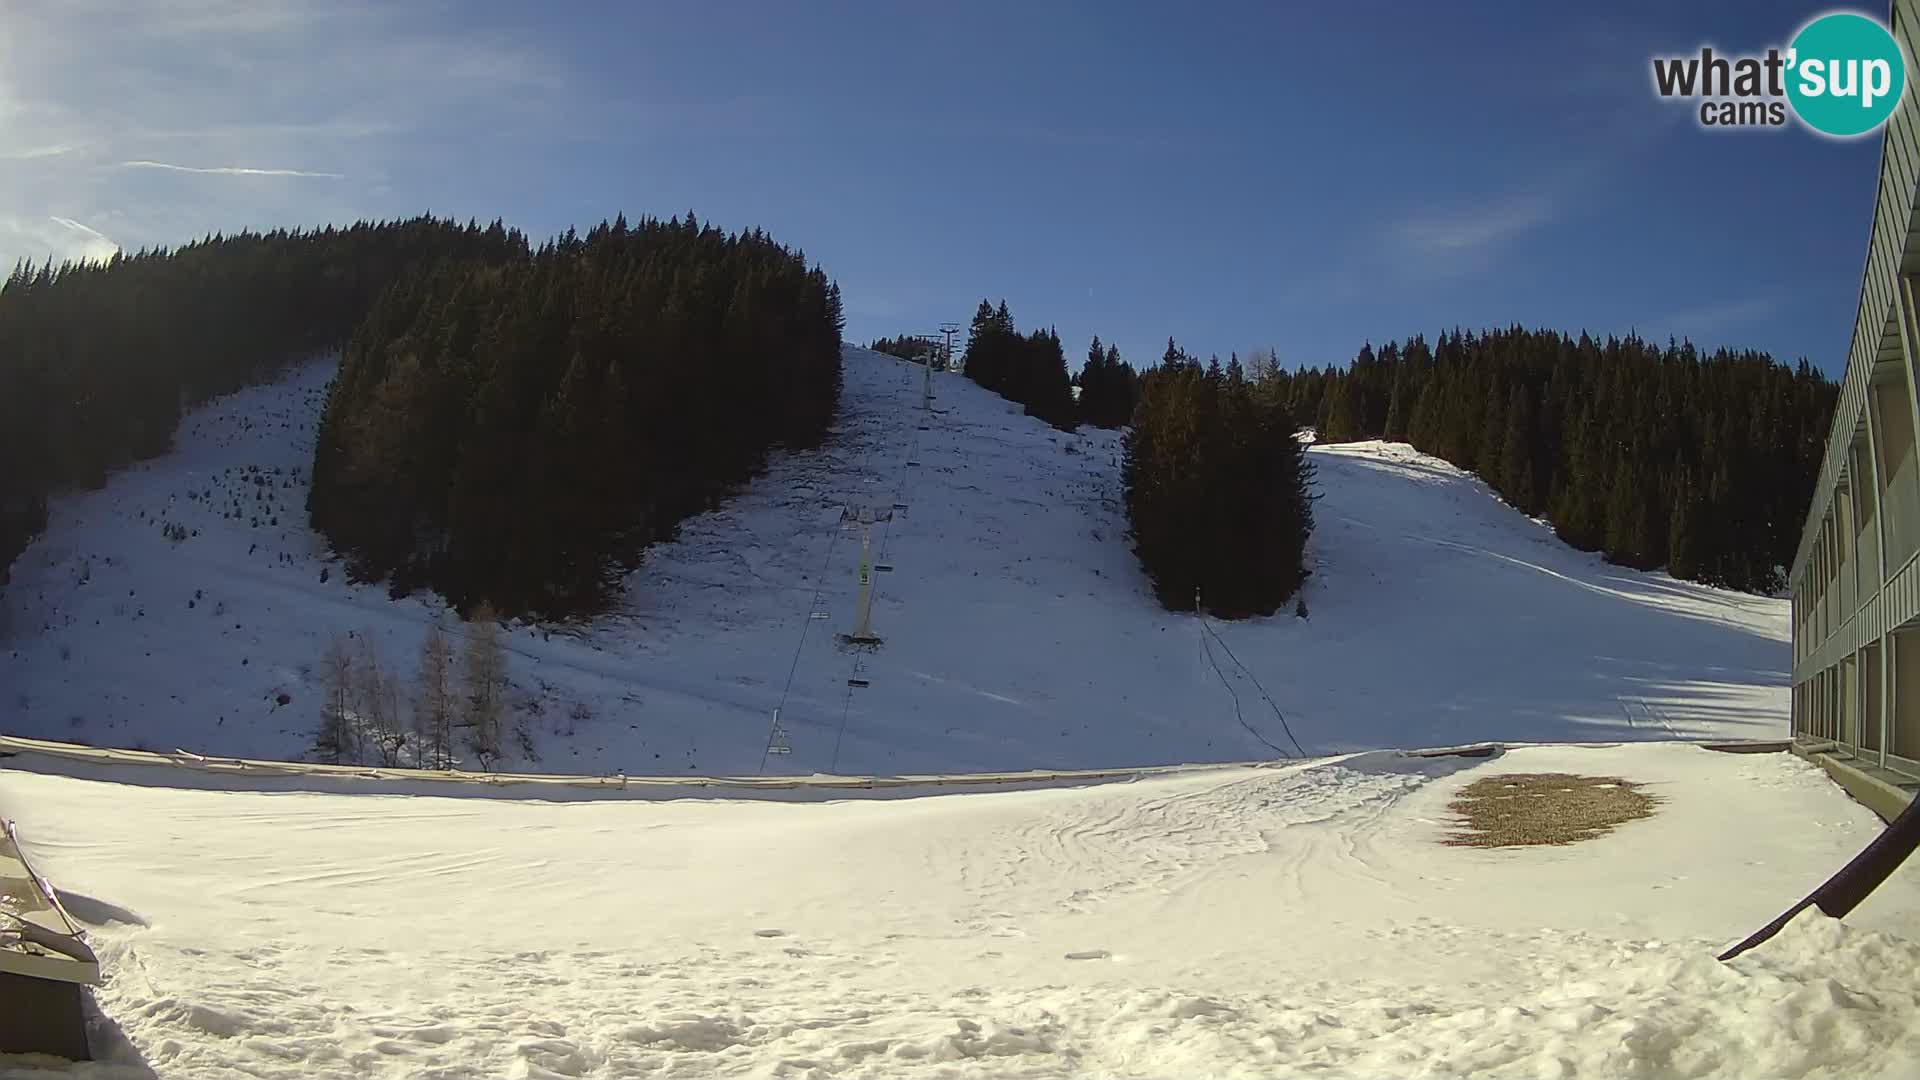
(519, 433)
(1216, 492)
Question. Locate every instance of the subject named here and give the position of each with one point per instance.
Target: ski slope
(1293, 919)
(1018, 631)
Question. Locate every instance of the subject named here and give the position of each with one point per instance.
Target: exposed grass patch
(1537, 809)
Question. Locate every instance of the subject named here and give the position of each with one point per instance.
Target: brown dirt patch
(1535, 809)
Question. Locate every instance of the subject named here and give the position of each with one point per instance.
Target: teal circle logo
(1845, 74)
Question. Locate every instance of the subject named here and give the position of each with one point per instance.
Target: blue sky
(1234, 175)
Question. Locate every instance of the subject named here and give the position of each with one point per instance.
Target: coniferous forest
(1217, 490)
(1699, 462)
(1029, 369)
(1108, 387)
(98, 361)
(517, 433)
(903, 347)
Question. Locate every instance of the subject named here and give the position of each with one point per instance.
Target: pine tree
(1623, 534)
(1216, 490)
(1340, 421)
(1493, 434)
(1516, 454)
(1681, 525)
(1399, 405)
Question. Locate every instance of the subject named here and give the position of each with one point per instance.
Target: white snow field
(1296, 919)
(1018, 630)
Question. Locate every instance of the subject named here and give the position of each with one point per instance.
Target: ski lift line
(814, 614)
(846, 707)
(886, 536)
(886, 533)
(813, 604)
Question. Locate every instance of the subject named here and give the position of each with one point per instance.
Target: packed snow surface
(1298, 919)
(183, 603)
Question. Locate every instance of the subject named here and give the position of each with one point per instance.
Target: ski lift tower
(927, 358)
(866, 517)
(947, 331)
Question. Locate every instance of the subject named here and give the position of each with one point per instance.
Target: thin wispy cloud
(231, 170)
(206, 115)
(1469, 231)
(79, 227)
(52, 236)
(32, 153)
(1727, 323)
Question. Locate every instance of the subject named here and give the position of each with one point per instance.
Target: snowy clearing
(1019, 632)
(1293, 919)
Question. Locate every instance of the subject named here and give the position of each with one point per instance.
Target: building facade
(1856, 576)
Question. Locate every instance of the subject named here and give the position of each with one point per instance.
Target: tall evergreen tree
(1217, 493)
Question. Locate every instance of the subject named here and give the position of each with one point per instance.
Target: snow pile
(1299, 919)
(1018, 630)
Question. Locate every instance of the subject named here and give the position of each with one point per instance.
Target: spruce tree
(1216, 494)
(1516, 455)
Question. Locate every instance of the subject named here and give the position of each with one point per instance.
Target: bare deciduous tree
(433, 714)
(379, 706)
(1262, 364)
(333, 742)
(486, 677)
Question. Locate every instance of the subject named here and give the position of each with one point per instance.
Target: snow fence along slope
(1019, 632)
(1289, 920)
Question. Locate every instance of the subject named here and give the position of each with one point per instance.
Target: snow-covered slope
(1292, 920)
(1018, 631)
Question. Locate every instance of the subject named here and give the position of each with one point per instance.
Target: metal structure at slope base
(1843, 892)
(45, 963)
